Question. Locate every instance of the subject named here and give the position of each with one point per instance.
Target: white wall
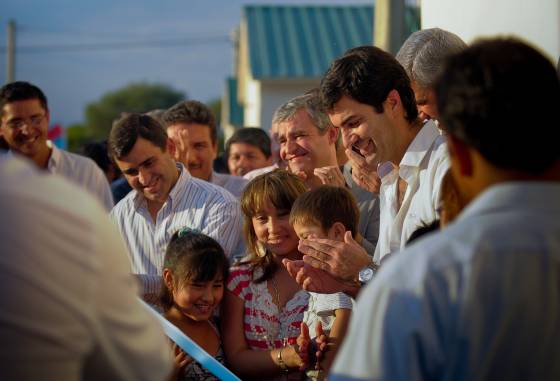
(537, 21)
(276, 93)
(252, 103)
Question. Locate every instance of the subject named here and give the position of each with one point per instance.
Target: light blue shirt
(478, 301)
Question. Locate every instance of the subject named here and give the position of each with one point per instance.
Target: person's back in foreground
(481, 300)
(68, 307)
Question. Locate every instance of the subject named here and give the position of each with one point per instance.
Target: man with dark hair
(480, 300)
(165, 198)
(248, 149)
(191, 125)
(25, 117)
(367, 94)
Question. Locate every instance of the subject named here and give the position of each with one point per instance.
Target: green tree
(135, 97)
(77, 135)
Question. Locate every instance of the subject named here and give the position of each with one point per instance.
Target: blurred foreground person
(480, 300)
(68, 307)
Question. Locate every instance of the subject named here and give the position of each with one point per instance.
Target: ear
(171, 147)
(393, 102)
(460, 153)
(337, 231)
(168, 279)
(333, 135)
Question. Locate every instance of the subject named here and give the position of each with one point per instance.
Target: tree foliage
(135, 97)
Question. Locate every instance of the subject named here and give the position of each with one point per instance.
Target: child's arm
(243, 361)
(336, 335)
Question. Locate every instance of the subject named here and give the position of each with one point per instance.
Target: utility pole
(389, 27)
(11, 52)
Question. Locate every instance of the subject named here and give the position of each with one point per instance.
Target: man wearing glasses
(24, 118)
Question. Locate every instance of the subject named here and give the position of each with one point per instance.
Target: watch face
(365, 275)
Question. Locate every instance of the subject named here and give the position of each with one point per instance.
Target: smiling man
(25, 118)
(308, 145)
(192, 127)
(422, 55)
(165, 198)
(367, 95)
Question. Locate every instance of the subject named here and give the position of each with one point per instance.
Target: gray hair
(423, 54)
(309, 101)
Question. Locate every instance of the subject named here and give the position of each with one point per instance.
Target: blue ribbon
(192, 348)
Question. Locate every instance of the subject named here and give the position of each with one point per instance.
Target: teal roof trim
(235, 109)
(301, 41)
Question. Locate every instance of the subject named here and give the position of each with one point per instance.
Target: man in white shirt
(367, 94)
(25, 117)
(69, 308)
(193, 129)
(481, 299)
(165, 198)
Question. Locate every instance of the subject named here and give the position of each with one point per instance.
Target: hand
(330, 175)
(181, 361)
(304, 346)
(364, 170)
(342, 260)
(181, 150)
(314, 280)
(321, 344)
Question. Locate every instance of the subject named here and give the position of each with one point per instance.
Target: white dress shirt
(260, 171)
(68, 304)
(192, 203)
(82, 171)
(478, 301)
(422, 167)
(233, 184)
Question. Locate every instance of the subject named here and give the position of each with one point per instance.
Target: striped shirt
(265, 327)
(191, 203)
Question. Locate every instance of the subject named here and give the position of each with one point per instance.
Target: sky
(49, 33)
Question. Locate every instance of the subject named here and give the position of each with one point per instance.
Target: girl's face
(273, 230)
(197, 300)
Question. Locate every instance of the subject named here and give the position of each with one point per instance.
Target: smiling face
(303, 146)
(24, 127)
(150, 170)
(365, 130)
(273, 230)
(198, 300)
(425, 101)
(244, 158)
(200, 151)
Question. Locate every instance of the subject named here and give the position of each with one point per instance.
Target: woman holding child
(263, 305)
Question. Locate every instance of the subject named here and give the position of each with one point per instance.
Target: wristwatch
(366, 274)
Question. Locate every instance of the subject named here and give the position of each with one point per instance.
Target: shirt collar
(421, 144)
(56, 157)
(535, 195)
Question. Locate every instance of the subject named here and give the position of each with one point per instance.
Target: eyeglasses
(18, 123)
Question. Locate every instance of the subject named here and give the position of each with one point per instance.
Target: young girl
(194, 271)
(264, 306)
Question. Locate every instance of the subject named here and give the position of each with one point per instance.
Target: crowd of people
(399, 222)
